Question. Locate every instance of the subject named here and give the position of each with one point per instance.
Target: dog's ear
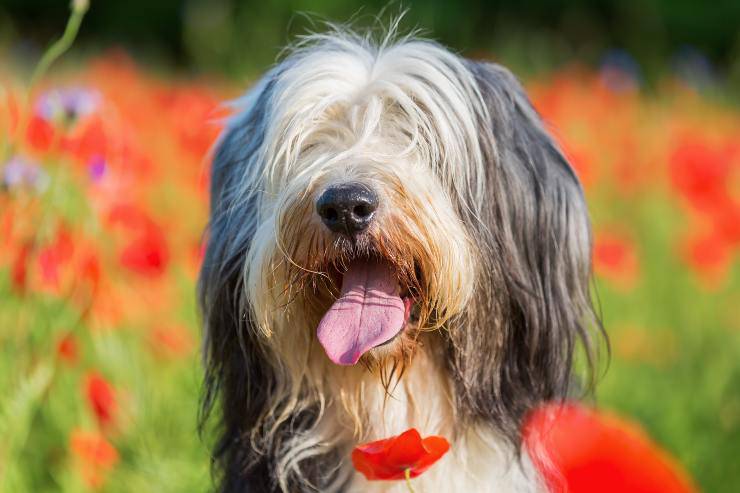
(514, 347)
(238, 372)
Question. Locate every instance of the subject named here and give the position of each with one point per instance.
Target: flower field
(103, 203)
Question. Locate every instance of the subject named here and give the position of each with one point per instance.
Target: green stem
(62, 44)
(57, 49)
(407, 475)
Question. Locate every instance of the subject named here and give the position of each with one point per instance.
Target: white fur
(478, 461)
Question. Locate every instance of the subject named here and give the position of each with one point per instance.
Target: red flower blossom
(128, 216)
(581, 451)
(581, 162)
(52, 258)
(193, 117)
(40, 134)
(709, 256)
(89, 270)
(101, 397)
(67, 349)
(147, 254)
(94, 455)
(87, 141)
(19, 268)
(615, 258)
(700, 172)
(392, 457)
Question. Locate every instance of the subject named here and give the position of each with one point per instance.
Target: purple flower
(96, 168)
(67, 105)
(20, 172)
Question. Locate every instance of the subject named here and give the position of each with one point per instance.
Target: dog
(395, 241)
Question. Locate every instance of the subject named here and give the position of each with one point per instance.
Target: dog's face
(358, 240)
(370, 197)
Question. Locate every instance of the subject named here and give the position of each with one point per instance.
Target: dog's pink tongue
(368, 312)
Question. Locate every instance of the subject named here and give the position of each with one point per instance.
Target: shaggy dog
(395, 241)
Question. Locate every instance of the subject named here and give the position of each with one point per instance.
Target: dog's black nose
(347, 208)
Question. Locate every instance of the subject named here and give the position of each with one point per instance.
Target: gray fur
(514, 348)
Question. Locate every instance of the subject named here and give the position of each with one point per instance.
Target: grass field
(102, 207)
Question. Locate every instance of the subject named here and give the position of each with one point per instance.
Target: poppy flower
(94, 456)
(399, 457)
(147, 254)
(579, 450)
(127, 216)
(19, 268)
(615, 258)
(146, 251)
(53, 257)
(67, 349)
(101, 397)
(40, 134)
(87, 141)
(709, 256)
(192, 112)
(581, 162)
(89, 269)
(700, 171)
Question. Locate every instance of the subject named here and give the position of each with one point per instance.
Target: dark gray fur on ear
(514, 348)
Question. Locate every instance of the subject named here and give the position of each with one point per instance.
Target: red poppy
(581, 162)
(19, 269)
(128, 216)
(615, 258)
(67, 349)
(89, 270)
(700, 172)
(192, 111)
(710, 256)
(578, 450)
(101, 398)
(94, 455)
(392, 457)
(52, 257)
(147, 254)
(87, 141)
(40, 134)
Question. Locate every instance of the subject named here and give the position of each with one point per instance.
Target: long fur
(481, 215)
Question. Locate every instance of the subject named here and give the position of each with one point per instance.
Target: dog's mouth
(372, 310)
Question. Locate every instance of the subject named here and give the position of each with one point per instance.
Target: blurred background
(103, 201)
(239, 38)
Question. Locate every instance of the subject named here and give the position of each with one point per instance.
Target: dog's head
(367, 196)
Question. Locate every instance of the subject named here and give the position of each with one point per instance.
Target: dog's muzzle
(371, 309)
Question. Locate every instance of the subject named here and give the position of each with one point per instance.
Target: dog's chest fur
(478, 460)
